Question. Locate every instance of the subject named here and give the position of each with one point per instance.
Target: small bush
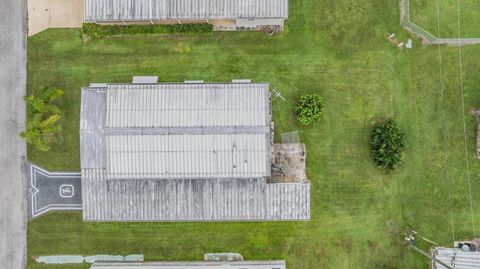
(97, 31)
(387, 143)
(309, 109)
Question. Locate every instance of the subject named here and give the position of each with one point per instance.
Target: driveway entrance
(49, 191)
(44, 14)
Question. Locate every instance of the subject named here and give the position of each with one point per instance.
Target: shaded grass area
(424, 13)
(335, 49)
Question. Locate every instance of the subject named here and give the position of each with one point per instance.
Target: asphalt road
(12, 147)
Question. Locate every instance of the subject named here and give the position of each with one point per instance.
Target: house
(223, 14)
(184, 152)
(193, 265)
(463, 255)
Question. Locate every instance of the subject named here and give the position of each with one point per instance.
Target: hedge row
(97, 30)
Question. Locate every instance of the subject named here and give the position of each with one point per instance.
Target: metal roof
(194, 265)
(139, 165)
(192, 199)
(177, 130)
(141, 10)
(188, 156)
(456, 258)
(92, 124)
(187, 105)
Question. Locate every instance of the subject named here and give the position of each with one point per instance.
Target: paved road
(12, 147)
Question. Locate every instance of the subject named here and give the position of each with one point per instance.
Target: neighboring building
(193, 265)
(464, 255)
(223, 14)
(185, 152)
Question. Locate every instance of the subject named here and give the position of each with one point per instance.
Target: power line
(444, 125)
(463, 116)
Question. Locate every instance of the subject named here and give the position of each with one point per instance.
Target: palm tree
(40, 132)
(42, 125)
(44, 102)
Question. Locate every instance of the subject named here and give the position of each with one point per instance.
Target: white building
(182, 152)
(223, 14)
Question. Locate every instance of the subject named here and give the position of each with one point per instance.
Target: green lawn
(424, 13)
(331, 47)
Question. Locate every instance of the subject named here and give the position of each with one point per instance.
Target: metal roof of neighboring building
(456, 258)
(141, 10)
(193, 265)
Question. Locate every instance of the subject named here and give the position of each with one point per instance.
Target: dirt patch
(288, 163)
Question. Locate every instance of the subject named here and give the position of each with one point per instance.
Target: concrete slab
(44, 14)
(49, 191)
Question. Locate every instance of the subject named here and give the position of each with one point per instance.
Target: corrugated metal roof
(210, 169)
(195, 265)
(192, 199)
(188, 156)
(174, 105)
(92, 124)
(108, 10)
(456, 258)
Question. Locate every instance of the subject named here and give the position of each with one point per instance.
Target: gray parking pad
(49, 191)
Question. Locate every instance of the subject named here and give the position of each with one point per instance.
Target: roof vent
(145, 80)
(241, 81)
(194, 81)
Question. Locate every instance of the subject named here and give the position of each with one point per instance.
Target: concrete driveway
(48, 191)
(12, 121)
(44, 14)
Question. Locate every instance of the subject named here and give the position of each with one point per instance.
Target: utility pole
(422, 252)
(410, 239)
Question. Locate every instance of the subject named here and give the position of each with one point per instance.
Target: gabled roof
(177, 130)
(131, 10)
(146, 157)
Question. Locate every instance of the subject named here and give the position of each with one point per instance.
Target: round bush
(387, 143)
(309, 109)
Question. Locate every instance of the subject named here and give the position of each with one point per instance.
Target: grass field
(425, 13)
(331, 47)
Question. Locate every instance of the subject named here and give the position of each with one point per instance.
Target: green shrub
(387, 143)
(309, 109)
(43, 118)
(97, 31)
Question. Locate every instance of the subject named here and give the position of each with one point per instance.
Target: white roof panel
(188, 156)
(184, 105)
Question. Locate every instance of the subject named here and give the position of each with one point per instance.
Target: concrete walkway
(49, 191)
(12, 147)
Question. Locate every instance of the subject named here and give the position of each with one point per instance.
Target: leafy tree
(309, 109)
(43, 121)
(387, 143)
